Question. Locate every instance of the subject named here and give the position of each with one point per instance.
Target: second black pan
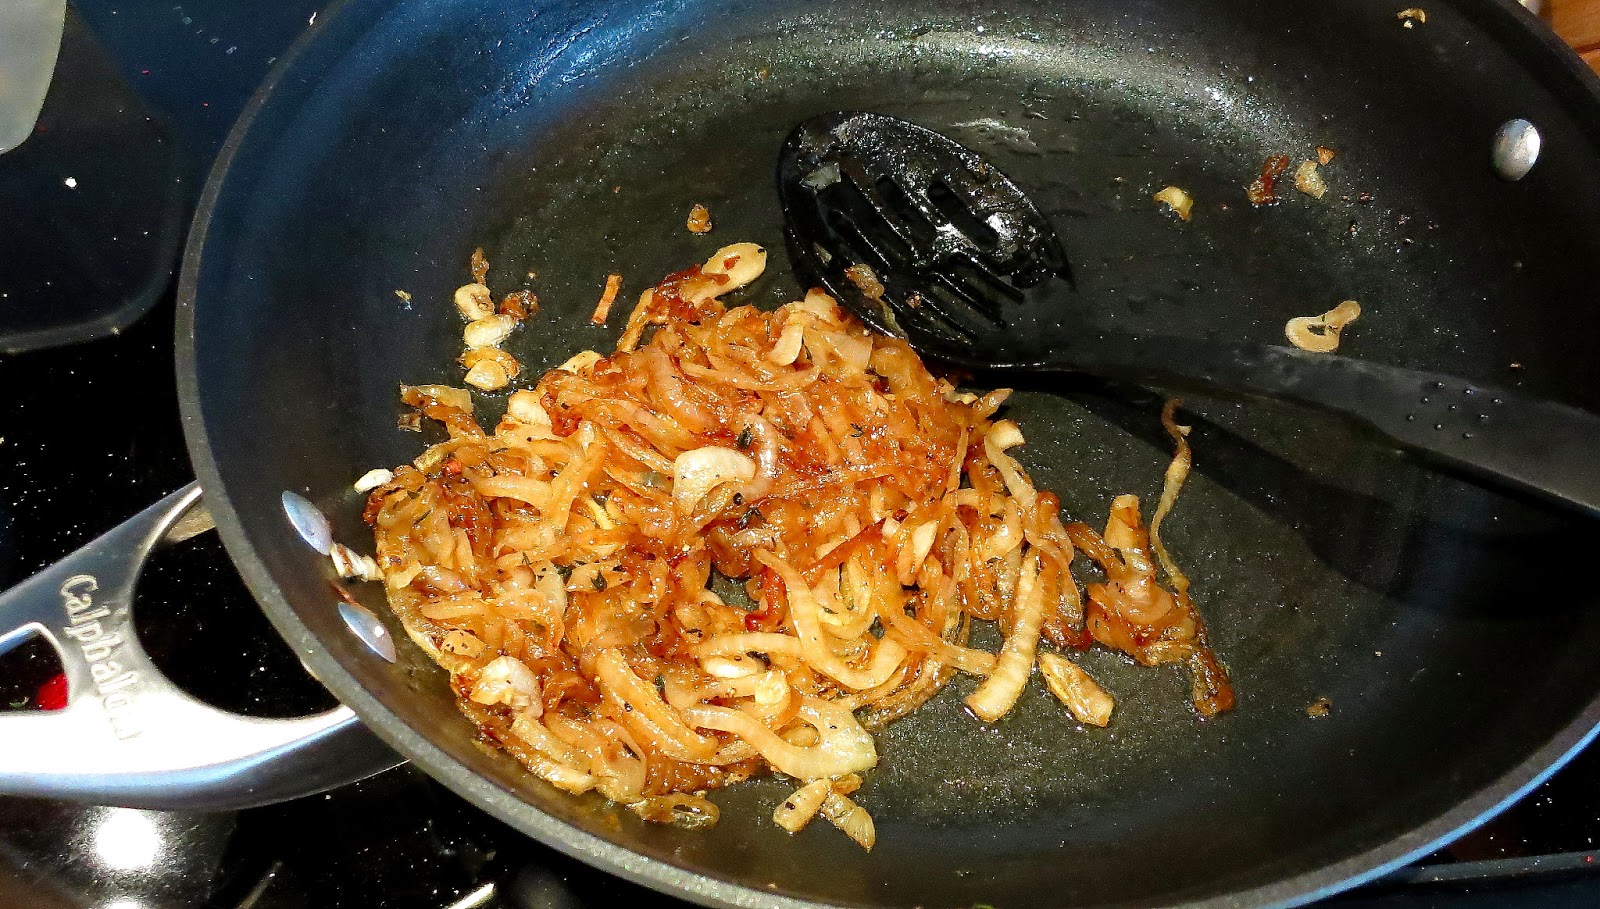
(1452, 627)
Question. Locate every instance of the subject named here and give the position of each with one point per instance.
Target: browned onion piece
(602, 309)
(995, 697)
(1308, 181)
(1171, 485)
(1076, 689)
(680, 809)
(1320, 334)
(796, 811)
(699, 220)
(842, 746)
(1180, 202)
(850, 818)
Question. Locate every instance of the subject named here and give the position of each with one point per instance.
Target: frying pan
(1452, 626)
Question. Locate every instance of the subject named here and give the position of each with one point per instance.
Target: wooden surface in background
(1578, 23)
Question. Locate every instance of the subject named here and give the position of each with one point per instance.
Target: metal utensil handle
(127, 735)
(1530, 443)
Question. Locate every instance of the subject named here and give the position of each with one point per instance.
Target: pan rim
(1544, 55)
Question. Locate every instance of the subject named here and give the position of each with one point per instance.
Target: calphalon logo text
(98, 643)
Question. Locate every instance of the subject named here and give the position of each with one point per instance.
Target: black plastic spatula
(923, 238)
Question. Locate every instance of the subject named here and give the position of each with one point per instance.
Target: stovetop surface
(90, 434)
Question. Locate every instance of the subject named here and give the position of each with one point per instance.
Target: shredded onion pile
(560, 566)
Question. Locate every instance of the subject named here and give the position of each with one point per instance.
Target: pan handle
(127, 735)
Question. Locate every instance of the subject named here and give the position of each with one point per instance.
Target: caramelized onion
(696, 473)
(1000, 690)
(1176, 199)
(796, 811)
(1076, 689)
(1263, 189)
(850, 818)
(602, 309)
(558, 566)
(1308, 181)
(1171, 484)
(805, 613)
(842, 745)
(643, 705)
(1320, 334)
(699, 220)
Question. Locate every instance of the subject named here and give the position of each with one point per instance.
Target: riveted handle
(127, 735)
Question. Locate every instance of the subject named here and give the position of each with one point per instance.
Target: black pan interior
(1453, 627)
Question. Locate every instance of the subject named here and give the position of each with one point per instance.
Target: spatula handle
(1546, 448)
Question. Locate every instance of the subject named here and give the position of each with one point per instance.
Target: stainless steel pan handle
(127, 735)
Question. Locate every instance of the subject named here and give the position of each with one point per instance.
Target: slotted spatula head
(964, 259)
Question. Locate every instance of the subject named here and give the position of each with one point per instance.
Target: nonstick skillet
(1452, 627)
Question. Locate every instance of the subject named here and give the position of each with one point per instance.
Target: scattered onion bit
(488, 331)
(1171, 484)
(850, 818)
(520, 305)
(1320, 334)
(729, 268)
(424, 396)
(679, 809)
(866, 281)
(372, 479)
(1073, 686)
(603, 308)
(351, 564)
(405, 297)
(699, 220)
(1263, 189)
(489, 368)
(796, 811)
(1176, 199)
(999, 692)
(1412, 14)
(473, 302)
(1130, 612)
(1308, 181)
(580, 361)
(472, 356)
(1324, 155)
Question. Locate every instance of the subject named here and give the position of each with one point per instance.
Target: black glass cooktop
(89, 435)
